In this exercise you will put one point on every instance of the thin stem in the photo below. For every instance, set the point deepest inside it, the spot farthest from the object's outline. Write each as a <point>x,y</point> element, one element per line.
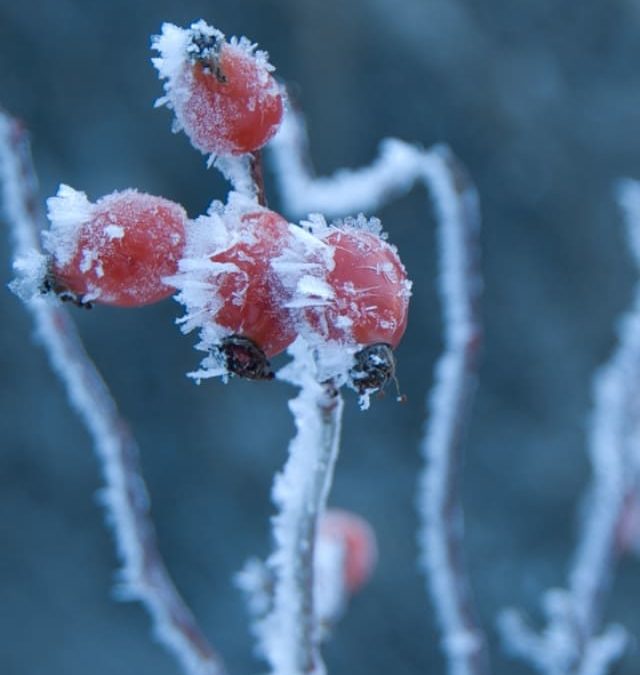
<point>439,499</point>
<point>244,172</point>
<point>614,452</point>
<point>144,575</point>
<point>573,642</point>
<point>289,634</point>
<point>257,175</point>
<point>398,167</point>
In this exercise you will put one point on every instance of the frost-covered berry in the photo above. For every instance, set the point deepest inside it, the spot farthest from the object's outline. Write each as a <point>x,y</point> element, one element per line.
<point>117,251</point>
<point>231,290</point>
<point>222,92</point>
<point>254,299</point>
<point>370,290</point>
<point>353,539</point>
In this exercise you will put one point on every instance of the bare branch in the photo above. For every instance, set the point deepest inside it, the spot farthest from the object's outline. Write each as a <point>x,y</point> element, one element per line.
<point>143,574</point>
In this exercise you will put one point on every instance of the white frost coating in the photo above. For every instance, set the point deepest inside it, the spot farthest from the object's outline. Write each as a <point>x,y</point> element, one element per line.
<point>256,581</point>
<point>174,49</point>
<point>114,231</point>
<point>68,211</point>
<point>143,574</point>
<point>237,170</point>
<point>289,634</point>
<point>314,289</point>
<point>302,268</point>
<point>614,446</point>
<point>209,120</point>
<point>31,270</point>
<point>398,167</point>
<point>330,591</point>
<point>172,45</point>
<point>393,173</point>
<point>555,652</point>
<point>604,651</point>
<point>302,256</point>
<point>199,277</point>
<point>441,531</point>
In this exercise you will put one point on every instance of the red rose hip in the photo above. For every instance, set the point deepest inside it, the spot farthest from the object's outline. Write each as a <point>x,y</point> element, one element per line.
<point>222,92</point>
<point>253,297</point>
<point>117,251</point>
<point>231,289</point>
<point>370,288</point>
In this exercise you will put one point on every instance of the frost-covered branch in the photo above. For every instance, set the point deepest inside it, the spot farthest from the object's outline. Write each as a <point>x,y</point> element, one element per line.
<point>571,642</point>
<point>143,575</point>
<point>393,173</point>
<point>244,173</point>
<point>399,166</point>
<point>439,500</point>
<point>289,634</point>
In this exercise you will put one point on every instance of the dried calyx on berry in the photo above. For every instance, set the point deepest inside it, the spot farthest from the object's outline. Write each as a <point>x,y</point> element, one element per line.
<point>374,368</point>
<point>50,283</point>
<point>242,357</point>
<point>203,49</point>
<point>222,92</point>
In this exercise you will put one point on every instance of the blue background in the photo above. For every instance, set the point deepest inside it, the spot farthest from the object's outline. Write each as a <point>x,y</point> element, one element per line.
<point>541,100</point>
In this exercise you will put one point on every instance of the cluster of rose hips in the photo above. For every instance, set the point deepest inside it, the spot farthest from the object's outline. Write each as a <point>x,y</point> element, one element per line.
<point>250,281</point>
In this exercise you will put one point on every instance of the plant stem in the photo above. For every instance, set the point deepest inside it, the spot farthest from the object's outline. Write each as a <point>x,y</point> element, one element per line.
<point>144,576</point>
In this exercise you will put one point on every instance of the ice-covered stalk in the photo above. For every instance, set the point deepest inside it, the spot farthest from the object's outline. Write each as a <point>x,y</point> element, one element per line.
<point>289,635</point>
<point>245,174</point>
<point>398,167</point>
<point>393,173</point>
<point>439,500</point>
<point>143,574</point>
<point>573,641</point>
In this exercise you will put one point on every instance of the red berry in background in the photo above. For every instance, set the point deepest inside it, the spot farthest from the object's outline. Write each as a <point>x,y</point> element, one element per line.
<point>222,93</point>
<point>370,288</point>
<point>116,251</point>
<point>253,297</point>
<point>358,540</point>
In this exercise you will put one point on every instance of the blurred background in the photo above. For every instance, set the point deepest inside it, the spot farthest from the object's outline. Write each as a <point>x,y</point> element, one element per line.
<point>541,100</point>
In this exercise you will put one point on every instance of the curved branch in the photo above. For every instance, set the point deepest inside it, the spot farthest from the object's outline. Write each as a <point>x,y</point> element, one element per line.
<point>573,642</point>
<point>398,167</point>
<point>144,576</point>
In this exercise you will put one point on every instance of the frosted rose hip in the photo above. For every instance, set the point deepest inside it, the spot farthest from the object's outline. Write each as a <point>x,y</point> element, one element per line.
<point>253,297</point>
<point>116,251</point>
<point>222,93</point>
<point>371,292</point>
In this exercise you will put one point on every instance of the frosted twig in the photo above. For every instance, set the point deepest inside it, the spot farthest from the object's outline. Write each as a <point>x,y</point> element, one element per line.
<point>574,618</point>
<point>143,574</point>
<point>289,635</point>
<point>257,176</point>
<point>398,167</point>
<point>347,191</point>
<point>439,501</point>
<point>242,171</point>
